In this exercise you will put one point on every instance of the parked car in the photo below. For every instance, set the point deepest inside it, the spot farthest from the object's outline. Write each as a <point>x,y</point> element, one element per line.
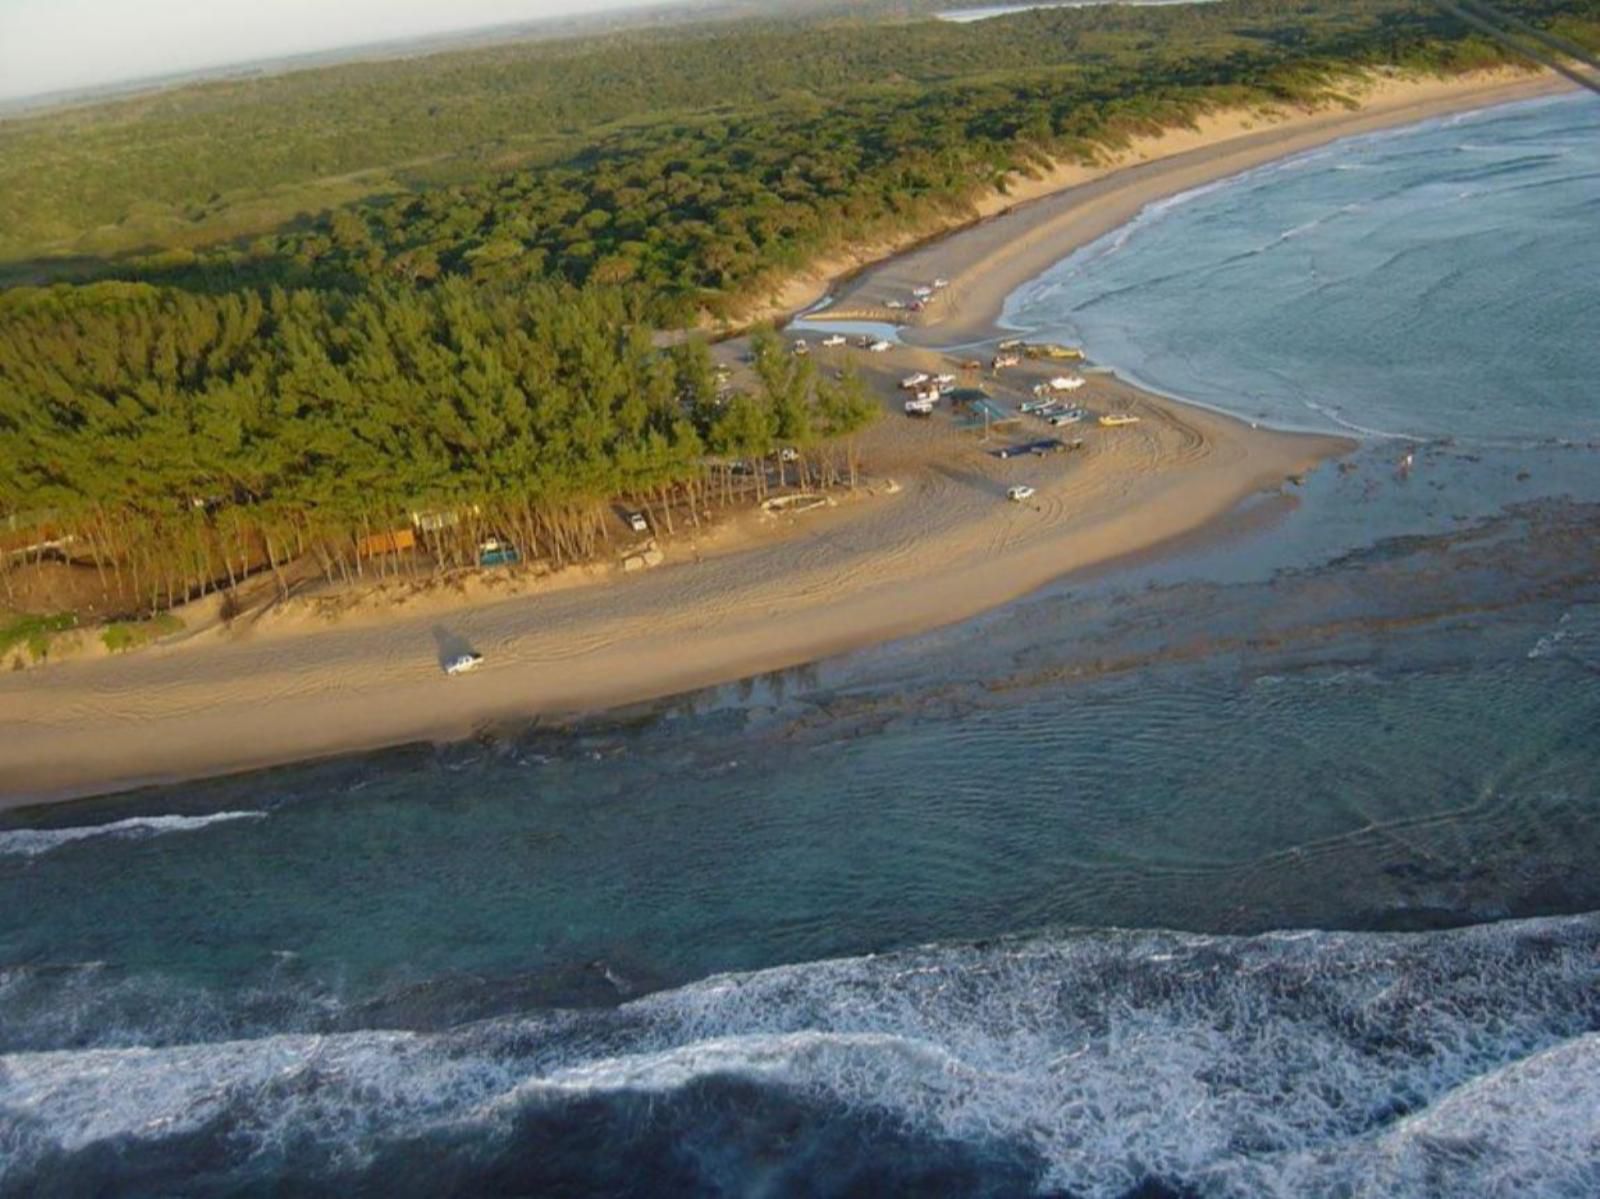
<point>638,523</point>
<point>462,663</point>
<point>494,552</point>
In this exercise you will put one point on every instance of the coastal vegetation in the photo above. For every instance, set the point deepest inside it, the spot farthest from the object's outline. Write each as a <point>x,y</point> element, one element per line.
<point>183,440</point>
<point>283,318</point>
<point>33,632</point>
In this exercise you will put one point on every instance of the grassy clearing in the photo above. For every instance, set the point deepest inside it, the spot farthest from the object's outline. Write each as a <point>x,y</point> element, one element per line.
<point>33,633</point>
<point>123,635</point>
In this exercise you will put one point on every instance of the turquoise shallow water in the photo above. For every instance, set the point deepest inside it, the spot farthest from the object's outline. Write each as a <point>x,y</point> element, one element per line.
<point>872,927</point>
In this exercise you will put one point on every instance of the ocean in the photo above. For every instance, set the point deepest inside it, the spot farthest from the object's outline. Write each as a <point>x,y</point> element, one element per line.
<point>1260,867</point>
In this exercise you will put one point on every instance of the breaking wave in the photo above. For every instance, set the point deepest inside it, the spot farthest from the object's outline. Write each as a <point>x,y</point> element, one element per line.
<point>30,842</point>
<point>1088,1063</point>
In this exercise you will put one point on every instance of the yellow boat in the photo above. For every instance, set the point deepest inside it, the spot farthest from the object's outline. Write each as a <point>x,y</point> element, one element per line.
<point>1113,420</point>
<point>1060,353</point>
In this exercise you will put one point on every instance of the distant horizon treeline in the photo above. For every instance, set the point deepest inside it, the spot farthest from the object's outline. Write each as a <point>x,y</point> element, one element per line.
<point>185,440</point>
<point>698,161</point>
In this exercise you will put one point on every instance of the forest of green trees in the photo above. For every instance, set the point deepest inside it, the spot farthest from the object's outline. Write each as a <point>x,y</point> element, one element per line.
<point>186,439</point>
<point>475,338</point>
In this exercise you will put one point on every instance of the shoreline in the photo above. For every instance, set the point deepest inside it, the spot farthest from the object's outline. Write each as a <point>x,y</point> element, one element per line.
<point>1016,238</point>
<point>944,547</point>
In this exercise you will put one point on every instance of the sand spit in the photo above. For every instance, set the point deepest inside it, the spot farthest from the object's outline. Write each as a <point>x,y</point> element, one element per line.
<point>941,544</point>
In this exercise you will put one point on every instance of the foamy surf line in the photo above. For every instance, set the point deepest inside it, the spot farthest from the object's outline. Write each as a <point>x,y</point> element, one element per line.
<point>29,842</point>
<point>1090,1062</point>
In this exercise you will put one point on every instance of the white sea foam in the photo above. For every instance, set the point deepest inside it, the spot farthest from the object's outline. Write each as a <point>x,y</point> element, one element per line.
<point>30,842</point>
<point>1286,1064</point>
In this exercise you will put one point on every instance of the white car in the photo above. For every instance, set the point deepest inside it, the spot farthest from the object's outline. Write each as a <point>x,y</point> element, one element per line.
<point>462,663</point>
<point>638,523</point>
<point>836,339</point>
<point>1019,493</point>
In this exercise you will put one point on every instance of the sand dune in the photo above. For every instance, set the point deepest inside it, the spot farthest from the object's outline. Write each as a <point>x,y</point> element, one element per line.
<point>945,545</point>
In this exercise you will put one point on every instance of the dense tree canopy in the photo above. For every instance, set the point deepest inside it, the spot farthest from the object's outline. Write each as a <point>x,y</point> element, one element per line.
<point>183,166</point>
<point>186,437</point>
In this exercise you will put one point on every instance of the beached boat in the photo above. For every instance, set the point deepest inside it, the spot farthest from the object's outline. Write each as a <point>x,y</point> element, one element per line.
<point>462,663</point>
<point>1051,350</point>
<point>1070,416</point>
<point>1019,493</point>
<point>495,552</point>
<point>1046,445</point>
<point>1114,420</point>
<point>836,339</point>
<point>1067,382</point>
<point>912,382</point>
<point>1010,343</point>
<point>878,347</point>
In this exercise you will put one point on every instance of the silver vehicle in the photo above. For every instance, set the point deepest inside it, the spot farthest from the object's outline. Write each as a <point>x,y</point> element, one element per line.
<point>638,523</point>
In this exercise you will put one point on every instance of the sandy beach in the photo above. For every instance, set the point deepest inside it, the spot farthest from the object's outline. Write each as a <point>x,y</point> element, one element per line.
<point>938,545</point>
<point>1040,220</point>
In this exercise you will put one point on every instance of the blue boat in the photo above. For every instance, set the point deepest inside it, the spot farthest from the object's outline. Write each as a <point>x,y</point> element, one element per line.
<point>497,553</point>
